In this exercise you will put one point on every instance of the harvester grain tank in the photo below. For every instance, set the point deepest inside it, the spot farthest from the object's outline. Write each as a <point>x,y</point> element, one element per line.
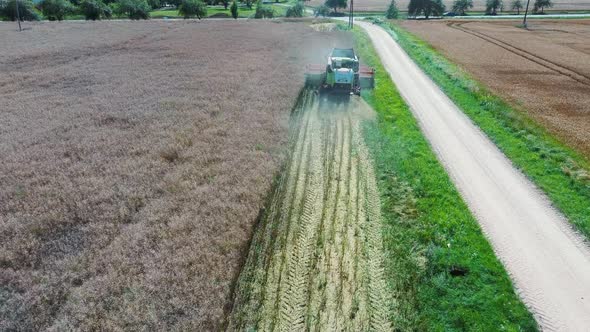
<point>343,73</point>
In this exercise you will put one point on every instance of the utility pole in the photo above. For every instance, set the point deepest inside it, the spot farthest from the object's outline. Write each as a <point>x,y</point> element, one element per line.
<point>350,15</point>
<point>18,16</point>
<point>526,11</point>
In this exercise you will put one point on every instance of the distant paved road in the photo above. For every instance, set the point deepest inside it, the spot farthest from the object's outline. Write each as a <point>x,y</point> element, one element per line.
<point>548,262</point>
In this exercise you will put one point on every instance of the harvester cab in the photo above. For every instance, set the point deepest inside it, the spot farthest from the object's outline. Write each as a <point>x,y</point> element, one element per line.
<point>342,73</point>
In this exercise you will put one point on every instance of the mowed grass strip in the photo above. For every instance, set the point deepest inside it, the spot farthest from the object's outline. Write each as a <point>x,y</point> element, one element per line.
<point>441,269</point>
<point>562,173</point>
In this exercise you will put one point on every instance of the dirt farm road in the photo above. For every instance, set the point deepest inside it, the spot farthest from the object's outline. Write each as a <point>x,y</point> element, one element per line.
<point>547,261</point>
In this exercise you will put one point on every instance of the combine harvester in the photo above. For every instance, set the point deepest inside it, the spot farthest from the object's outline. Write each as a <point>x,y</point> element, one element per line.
<point>342,75</point>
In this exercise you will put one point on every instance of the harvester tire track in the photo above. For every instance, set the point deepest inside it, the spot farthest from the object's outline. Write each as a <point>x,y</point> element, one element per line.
<point>318,278</point>
<point>327,316</point>
<point>293,305</point>
<point>549,64</point>
<point>276,267</point>
<point>340,223</point>
<point>256,258</point>
<point>316,262</point>
<point>316,294</point>
<point>345,267</point>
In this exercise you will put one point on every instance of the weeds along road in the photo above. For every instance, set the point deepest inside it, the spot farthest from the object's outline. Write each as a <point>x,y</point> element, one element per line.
<point>548,262</point>
<point>316,260</point>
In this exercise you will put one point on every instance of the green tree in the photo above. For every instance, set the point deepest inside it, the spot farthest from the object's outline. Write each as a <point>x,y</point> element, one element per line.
<point>322,10</point>
<point>56,10</point>
<point>335,4</point>
<point>263,11</point>
<point>492,6</point>
<point>193,8</point>
<point>426,7</point>
<point>542,4</point>
<point>517,5</point>
<point>26,10</point>
<point>95,10</point>
<point>154,4</point>
<point>392,11</point>
<point>296,10</point>
<point>234,9</point>
<point>461,6</point>
<point>133,9</point>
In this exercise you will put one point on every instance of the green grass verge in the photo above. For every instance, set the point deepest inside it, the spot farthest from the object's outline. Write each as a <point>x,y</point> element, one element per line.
<point>562,173</point>
<point>429,231</point>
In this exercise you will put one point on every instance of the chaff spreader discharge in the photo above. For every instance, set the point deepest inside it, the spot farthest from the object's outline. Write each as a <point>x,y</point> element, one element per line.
<point>342,74</point>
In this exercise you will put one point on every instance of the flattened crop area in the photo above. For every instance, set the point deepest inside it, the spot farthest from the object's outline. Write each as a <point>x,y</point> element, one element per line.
<point>545,69</point>
<point>316,260</point>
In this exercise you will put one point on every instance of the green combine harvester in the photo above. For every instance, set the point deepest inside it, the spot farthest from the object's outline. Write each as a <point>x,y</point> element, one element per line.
<point>342,74</point>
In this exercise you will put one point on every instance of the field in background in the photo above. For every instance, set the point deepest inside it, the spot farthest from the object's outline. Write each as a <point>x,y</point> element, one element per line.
<point>545,69</point>
<point>135,159</point>
<point>478,5</point>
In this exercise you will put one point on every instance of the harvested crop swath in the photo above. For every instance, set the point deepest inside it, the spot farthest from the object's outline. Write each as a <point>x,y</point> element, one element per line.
<point>316,260</point>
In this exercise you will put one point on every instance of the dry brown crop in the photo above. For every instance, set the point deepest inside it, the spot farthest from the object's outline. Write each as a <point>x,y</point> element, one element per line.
<point>134,160</point>
<point>544,69</point>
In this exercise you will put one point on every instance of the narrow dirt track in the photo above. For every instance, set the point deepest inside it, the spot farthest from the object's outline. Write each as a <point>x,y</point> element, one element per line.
<point>316,261</point>
<point>548,262</point>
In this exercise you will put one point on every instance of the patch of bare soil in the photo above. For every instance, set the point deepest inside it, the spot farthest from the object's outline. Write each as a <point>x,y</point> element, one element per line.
<point>544,69</point>
<point>316,261</point>
<point>135,159</point>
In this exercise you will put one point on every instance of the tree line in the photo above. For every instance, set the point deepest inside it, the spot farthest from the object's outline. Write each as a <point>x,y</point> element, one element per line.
<point>428,8</point>
<point>57,10</point>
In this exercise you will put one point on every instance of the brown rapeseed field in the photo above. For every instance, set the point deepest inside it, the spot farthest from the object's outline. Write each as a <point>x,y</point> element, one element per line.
<point>134,160</point>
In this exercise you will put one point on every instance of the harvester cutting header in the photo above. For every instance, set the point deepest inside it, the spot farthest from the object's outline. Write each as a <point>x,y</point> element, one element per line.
<point>342,74</point>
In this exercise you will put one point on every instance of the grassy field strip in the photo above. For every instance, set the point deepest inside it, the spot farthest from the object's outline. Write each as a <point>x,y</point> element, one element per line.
<point>563,174</point>
<point>316,261</point>
<point>440,269</point>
